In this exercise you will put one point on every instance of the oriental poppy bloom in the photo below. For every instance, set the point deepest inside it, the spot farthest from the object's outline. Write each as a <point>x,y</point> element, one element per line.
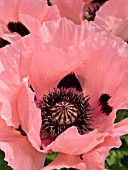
<point>75,90</point>
<point>78,94</point>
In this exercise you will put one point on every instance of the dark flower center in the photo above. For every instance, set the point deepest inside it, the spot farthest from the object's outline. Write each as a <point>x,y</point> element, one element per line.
<point>63,108</point>
<point>3,42</point>
<point>92,8</point>
<point>18,27</point>
<point>67,106</point>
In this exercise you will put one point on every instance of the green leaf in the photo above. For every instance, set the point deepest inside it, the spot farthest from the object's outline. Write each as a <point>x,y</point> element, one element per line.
<point>50,157</point>
<point>3,163</point>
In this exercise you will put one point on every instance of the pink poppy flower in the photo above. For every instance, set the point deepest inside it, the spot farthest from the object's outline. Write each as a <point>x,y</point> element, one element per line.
<point>111,17</point>
<point>62,87</point>
<point>77,87</point>
<point>19,18</point>
<point>70,9</point>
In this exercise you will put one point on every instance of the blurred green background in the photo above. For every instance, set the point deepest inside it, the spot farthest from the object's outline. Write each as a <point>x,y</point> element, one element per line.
<point>116,160</point>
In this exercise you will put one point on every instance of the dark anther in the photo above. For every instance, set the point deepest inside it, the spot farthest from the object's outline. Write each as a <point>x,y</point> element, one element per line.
<point>3,42</point>
<point>81,156</point>
<point>104,104</point>
<point>70,81</point>
<point>31,87</point>
<point>21,130</point>
<point>19,28</point>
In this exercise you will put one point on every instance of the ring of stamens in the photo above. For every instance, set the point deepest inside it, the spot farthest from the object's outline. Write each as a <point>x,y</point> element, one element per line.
<point>63,108</point>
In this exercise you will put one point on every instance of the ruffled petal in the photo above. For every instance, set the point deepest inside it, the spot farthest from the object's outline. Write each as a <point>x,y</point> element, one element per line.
<point>112,8</point>
<point>64,33</point>
<point>67,161</point>
<point>121,127</point>
<point>44,12</point>
<point>49,66</point>
<point>31,23</point>
<point>18,55</point>
<point>18,151</point>
<point>70,9</point>
<point>25,12</point>
<point>9,86</point>
<point>30,115</point>
<point>113,19</point>
<point>95,158</point>
<point>71,142</point>
<point>104,66</point>
<point>117,27</point>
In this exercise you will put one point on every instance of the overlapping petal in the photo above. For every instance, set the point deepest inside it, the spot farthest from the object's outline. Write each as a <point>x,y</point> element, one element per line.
<point>18,151</point>
<point>63,33</point>
<point>67,161</point>
<point>100,63</point>
<point>70,9</point>
<point>115,20</point>
<point>21,11</point>
<point>46,68</point>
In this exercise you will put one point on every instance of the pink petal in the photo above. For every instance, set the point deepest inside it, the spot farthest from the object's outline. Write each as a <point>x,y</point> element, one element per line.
<point>18,151</point>
<point>121,127</point>
<point>64,33</point>
<point>31,23</point>
<point>21,11</point>
<point>112,8</point>
<point>9,56</point>
<point>117,27</point>
<point>13,8</point>
<point>49,66</point>
<point>70,9</point>
<point>113,19</point>
<point>44,12</point>
<point>30,115</point>
<point>67,161</point>
<point>102,122</point>
<point>9,87</point>
<point>65,142</point>
<point>98,79</point>
<point>95,158</point>
<point>13,55</point>
<point>120,102</point>
<point>10,8</point>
